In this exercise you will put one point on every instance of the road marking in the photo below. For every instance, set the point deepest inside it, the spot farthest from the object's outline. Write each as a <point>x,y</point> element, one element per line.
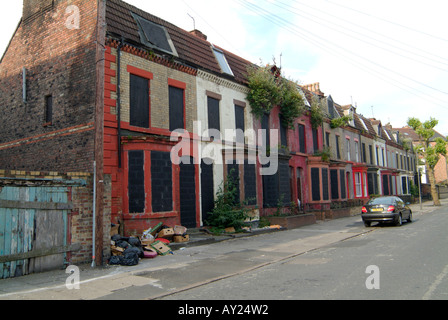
<point>436,283</point>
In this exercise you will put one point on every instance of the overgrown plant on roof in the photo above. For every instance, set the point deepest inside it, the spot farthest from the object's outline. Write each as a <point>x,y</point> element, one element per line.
<point>340,122</point>
<point>317,114</point>
<point>268,89</point>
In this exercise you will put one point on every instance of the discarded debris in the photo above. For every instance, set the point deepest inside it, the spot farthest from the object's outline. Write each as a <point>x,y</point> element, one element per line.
<point>127,251</point>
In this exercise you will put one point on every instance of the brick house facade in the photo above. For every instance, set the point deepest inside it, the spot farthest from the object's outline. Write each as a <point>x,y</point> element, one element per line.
<point>105,103</point>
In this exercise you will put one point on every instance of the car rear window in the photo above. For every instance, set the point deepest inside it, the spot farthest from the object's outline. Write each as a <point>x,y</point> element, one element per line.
<point>382,201</point>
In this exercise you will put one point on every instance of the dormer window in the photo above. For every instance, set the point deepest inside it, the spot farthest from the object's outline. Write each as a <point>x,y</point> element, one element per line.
<point>219,54</point>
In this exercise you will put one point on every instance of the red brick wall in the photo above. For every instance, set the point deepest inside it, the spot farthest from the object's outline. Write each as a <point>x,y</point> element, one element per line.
<point>59,61</point>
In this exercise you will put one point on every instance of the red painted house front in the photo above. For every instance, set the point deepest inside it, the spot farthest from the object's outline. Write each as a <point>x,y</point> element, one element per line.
<point>147,187</point>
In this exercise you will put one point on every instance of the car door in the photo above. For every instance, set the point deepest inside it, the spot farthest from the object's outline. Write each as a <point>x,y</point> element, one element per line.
<point>401,209</point>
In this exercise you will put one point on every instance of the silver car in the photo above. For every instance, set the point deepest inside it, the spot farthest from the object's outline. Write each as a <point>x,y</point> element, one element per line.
<point>386,209</point>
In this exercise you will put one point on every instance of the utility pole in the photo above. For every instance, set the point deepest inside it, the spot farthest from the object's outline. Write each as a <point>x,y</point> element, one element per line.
<point>419,189</point>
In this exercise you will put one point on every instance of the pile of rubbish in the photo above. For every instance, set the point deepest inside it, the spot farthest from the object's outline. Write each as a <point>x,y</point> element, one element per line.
<point>126,251</point>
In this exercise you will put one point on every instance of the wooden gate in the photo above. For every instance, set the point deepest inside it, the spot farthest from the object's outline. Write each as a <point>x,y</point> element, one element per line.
<point>34,224</point>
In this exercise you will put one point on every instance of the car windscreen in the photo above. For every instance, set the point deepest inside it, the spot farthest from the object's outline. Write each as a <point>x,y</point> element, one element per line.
<point>387,201</point>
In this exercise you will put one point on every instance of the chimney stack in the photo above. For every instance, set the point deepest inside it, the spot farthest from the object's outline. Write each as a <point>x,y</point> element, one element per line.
<point>32,8</point>
<point>198,34</point>
<point>314,87</point>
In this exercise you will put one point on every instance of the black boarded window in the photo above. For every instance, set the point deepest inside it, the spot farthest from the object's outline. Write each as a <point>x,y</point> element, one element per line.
<point>315,184</point>
<point>325,183</point>
<point>48,109</point>
<point>139,101</point>
<point>239,123</point>
<point>176,108</point>
<point>136,182</point>
<point>161,181</point>
<point>213,114</point>
<point>334,184</point>
<point>302,138</point>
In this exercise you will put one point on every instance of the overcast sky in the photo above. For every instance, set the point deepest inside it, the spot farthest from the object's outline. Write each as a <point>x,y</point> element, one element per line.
<point>389,58</point>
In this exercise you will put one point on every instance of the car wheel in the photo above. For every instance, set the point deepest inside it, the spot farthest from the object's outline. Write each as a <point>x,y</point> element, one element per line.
<point>367,223</point>
<point>399,221</point>
<point>410,216</point>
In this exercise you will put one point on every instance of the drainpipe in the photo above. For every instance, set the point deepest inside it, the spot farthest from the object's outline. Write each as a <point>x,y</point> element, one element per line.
<point>120,44</point>
<point>99,131</point>
<point>94,216</point>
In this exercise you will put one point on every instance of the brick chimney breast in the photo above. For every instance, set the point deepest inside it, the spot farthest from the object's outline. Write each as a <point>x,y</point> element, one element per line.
<point>31,8</point>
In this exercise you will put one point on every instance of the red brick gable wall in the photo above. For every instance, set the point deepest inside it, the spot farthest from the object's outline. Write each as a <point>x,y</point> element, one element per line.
<point>60,61</point>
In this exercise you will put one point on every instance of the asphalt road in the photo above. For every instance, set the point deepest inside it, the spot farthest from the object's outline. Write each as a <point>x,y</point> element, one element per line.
<point>325,261</point>
<point>407,262</point>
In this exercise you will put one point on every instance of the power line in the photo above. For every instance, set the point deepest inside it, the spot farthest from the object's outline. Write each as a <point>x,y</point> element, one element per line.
<point>413,50</point>
<point>275,19</point>
<point>388,21</point>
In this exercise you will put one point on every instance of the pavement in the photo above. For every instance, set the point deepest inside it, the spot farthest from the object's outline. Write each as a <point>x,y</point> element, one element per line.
<point>205,259</point>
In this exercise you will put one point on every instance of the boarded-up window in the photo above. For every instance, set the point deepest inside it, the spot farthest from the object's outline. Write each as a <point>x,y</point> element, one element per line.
<point>136,182</point>
<point>315,140</point>
<point>302,145</point>
<point>334,184</point>
<point>338,151</point>
<point>239,124</point>
<point>342,181</point>
<point>284,190</point>
<point>139,101</point>
<point>213,113</point>
<point>176,108</point>
<point>283,133</point>
<point>48,109</point>
<point>364,158</point>
<point>325,184</point>
<point>161,181</point>
<point>315,184</point>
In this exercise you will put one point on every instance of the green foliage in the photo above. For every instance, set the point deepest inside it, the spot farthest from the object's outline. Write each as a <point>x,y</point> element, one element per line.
<point>292,104</point>
<point>325,153</point>
<point>430,152</point>
<point>340,122</point>
<point>227,212</point>
<point>414,190</point>
<point>264,92</point>
<point>317,114</point>
<point>268,89</point>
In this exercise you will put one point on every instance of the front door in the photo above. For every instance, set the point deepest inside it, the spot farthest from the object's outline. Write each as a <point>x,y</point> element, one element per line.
<point>187,186</point>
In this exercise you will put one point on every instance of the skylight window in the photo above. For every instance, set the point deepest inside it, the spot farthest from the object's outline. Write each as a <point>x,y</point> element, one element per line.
<point>154,36</point>
<point>225,68</point>
<point>364,124</point>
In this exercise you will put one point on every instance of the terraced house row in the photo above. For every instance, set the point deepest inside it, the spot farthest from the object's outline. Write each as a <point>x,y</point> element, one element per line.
<point>108,92</point>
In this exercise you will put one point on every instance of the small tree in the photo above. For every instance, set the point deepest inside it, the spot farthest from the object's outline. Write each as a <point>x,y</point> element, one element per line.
<point>429,150</point>
<point>228,212</point>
